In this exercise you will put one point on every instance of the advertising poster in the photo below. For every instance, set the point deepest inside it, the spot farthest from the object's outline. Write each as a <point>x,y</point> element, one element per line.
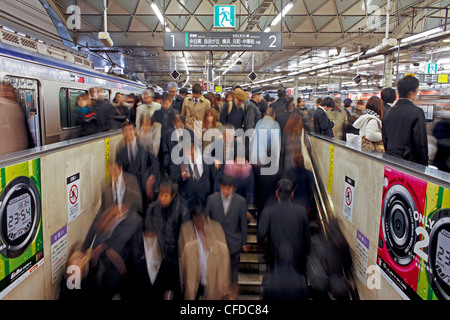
<point>21,241</point>
<point>414,246</point>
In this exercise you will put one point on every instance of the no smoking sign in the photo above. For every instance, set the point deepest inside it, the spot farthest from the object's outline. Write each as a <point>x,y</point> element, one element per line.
<point>349,194</point>
<point>73,197</point>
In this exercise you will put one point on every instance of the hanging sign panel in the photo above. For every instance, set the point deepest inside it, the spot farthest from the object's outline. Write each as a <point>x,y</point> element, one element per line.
<point>226,41</point>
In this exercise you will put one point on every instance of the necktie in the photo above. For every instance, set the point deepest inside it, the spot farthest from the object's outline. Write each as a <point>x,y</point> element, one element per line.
<point>196,173</point>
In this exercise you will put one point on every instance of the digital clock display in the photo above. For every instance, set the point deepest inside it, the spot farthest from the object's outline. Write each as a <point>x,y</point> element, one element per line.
<point>18,216</point>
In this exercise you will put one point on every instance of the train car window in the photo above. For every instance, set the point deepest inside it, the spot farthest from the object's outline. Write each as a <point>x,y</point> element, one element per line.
<point>64,118</point>
<point>67,99</point>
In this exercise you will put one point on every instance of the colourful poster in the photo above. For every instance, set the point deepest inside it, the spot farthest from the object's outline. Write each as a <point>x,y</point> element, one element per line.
<point>21,242</point>
<point>414,246</point>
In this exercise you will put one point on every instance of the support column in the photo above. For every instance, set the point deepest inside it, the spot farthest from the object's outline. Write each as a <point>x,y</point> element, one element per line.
<point>388,77</point>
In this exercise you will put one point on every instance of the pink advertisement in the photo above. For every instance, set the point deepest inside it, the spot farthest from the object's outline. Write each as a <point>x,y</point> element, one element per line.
<point>413,249</point>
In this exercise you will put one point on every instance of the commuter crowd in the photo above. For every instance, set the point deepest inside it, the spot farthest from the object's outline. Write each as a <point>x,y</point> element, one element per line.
<point>173,223</point>
<point>399,129</point>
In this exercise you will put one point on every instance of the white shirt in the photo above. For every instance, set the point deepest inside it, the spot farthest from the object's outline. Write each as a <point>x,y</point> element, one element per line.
<point>153,256</point>
<point>226,202</point>
<point>203,259</point>
<point>118,190</point>
<point>132,149</point>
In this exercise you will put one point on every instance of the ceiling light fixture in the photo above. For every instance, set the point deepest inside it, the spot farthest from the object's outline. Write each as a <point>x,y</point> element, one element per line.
<point>422,35</point>
<point>160,16</point>
<point>282,13</point>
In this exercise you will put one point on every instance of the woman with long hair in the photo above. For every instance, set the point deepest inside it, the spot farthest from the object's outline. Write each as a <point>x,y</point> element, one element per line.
<point>210,122</point>
<point>369,125</point>
<point>291,140</point>
<point>149,134</point>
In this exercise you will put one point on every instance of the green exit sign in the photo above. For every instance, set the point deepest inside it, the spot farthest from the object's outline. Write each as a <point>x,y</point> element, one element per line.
<point>224,16</point>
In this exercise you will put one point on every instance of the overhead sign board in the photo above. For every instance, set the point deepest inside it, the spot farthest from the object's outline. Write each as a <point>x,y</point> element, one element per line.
<point>224,16</point>
<point>432,78</point>
<point>225,41</point>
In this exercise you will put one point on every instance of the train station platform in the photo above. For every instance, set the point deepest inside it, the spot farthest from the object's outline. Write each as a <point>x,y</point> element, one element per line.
<point>394,215</point>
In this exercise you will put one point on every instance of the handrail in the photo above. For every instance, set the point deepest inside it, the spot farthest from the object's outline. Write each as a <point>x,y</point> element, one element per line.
<point>322,207</point>
<point>33,153</point>
<point>425,172</point>
<point>325,207</point>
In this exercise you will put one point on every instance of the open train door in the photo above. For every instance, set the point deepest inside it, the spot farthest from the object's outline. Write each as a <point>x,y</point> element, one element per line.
<point>28,99</point>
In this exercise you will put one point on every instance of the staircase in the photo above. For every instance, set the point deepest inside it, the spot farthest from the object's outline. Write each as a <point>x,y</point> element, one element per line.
<point>252,266</point>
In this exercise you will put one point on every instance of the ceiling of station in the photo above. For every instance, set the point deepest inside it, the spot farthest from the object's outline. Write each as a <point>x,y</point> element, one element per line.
<point>312,30</point>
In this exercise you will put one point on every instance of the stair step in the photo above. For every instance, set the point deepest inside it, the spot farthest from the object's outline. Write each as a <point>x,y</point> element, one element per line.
<point>249,297</point>
<point>251,239</point>
<point>249,279</point>
<point>250,258</point>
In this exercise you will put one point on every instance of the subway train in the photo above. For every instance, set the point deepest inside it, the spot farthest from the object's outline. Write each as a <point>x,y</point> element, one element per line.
<point>48,80</point>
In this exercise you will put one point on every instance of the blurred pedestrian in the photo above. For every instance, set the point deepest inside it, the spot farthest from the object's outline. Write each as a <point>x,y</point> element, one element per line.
<point>204,258</point>
<point>85,117</point>
<point>194,107</point>
<point>148,105</point>
<point>285,223</point>
<point>230,210</point>
<point>339,117</point>
<point>142,164</point>
<point>14,134</point>
<point>232,111</point>
<point>322,124</point>
<point>149,134</point>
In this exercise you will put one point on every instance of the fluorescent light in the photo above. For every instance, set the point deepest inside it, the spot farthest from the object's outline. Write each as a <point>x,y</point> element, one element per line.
<point>231,65</point>
<point>158,13</point>
<point>301,78</point>
<point>282,13</point>
<point>186,65</point>
<point>421,35</point>
<point>439,50</point>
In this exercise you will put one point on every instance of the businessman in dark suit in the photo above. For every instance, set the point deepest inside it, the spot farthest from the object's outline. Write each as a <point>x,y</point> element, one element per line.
<point>171,138</point>
<point>404,126</point>
<point>135,160</point>
<point>194,178</point>
<point>323,125</point>
<point>123,190</point>
<point>230,210</point>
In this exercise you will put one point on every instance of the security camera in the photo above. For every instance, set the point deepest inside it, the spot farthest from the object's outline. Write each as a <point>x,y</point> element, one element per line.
<point>106,39</point>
